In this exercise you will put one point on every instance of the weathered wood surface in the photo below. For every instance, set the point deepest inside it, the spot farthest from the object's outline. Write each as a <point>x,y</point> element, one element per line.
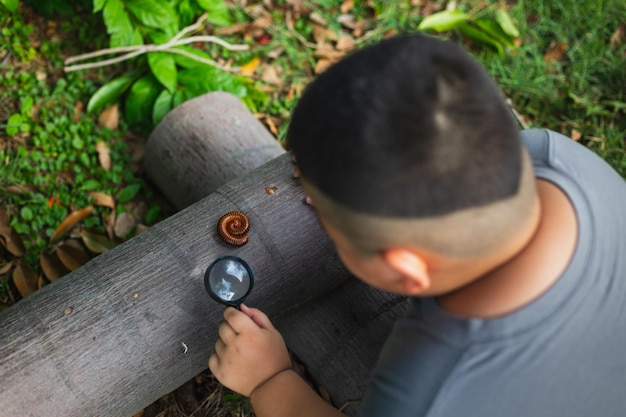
<point>106,340</point>
<point>204,143</point>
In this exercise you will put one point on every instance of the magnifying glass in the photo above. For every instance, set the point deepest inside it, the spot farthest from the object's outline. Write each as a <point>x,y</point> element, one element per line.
<point>229,280</point>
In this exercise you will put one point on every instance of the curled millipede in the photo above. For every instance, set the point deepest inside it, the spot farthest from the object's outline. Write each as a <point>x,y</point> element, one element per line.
<point>232,228</point>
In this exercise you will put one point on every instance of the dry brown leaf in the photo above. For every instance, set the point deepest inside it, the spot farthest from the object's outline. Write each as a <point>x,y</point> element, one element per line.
<point>618,37</point>
<point>271,126</point>
<point>72,256</point>
<point>104,155</point>
<point>96,242</point>
<point>52,267</point>
<point>554,52</point>
<point>21,189</point>
<point>347,20</point>
<point>270,75</point>
<point>141,228</point>
<point>102,199</point>
<point>345,43</point>
<point>41,281</point>
<point>346,6</point>
<point>249,68</point>
<point>329,54</point>
<point>70,221</point>
<point>25,279</point>
<point>78,111</point>
<point>6,268</point>
<point>317,18</point>
<point>319,34</point>
<point>109,224</point>
<point>322,65</point>
<point>576,135</point>
<point>9,237</point>
<point>109,118</point>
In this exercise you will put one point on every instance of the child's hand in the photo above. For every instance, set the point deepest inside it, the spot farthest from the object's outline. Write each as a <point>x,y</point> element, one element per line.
<point>249,351</point>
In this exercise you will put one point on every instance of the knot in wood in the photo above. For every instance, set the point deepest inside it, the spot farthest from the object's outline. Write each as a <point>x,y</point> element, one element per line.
<point>232,228</point>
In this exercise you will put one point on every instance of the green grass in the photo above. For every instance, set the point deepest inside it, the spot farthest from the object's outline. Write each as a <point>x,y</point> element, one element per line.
<point>586,89</point>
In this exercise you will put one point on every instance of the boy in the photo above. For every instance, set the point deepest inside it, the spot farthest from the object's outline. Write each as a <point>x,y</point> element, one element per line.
<point>511,250</point>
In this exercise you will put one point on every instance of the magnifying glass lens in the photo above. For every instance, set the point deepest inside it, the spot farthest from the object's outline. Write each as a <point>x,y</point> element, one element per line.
<point>229,280</point>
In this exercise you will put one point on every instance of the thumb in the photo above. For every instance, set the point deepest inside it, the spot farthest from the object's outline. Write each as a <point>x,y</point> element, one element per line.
<point>257,316</point>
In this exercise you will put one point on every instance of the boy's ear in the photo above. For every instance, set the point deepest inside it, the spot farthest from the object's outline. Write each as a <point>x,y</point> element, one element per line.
<point>412,267</point>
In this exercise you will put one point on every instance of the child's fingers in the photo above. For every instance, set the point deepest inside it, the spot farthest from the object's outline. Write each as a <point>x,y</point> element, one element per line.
<point>257,316</point>
<point>238,320</point>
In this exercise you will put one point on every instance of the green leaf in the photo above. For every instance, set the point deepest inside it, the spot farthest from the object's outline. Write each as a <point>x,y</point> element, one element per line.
<point>443,21</point>
<point>14,124</point>
<point>217,12</point>
<point>140,100</point>
<point>506,23</point>
<point>128,193</point>
<point>12,5</point>
<point>98,5</point>
<point>162,106</point>
<point>118,23</point>
<point>27,106</point>
<point>163,68</point>
<point>153,13</point>
<point>494,30</point>
<point>27,213</point>
<point>481,37</point>
<point>109,93</point>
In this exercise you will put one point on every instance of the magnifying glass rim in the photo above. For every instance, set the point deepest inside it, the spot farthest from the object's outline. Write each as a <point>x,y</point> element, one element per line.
<point>214,296</point>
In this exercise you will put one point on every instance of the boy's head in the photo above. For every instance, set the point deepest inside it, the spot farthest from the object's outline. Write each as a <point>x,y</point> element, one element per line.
<point>409,144</point>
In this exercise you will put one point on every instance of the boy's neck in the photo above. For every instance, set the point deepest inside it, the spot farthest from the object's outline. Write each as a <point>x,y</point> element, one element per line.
<point>531,271</point>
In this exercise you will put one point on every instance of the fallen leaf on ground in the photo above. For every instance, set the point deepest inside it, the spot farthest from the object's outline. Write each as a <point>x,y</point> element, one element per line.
<point>344,43</point>
<point>71,255</point>
<point>9,237</point>
<point>619,36</point>
<point>109,118</point>
<point>576,135</point>
<point>249,68</point>
<point>95,242</point>
<point>25,279</point>
<point>104,156</point>
<point>6,268</point>
<point>322,65</point>
<point>70,221</point>
<point>102,199</point>
<point>52,266</point>
<point>554,52</point>
<point>346,6</point>
<point>270,75</point>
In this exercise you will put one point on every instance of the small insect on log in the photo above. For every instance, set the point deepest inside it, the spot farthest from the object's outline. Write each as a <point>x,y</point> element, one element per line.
<point>232,228</point>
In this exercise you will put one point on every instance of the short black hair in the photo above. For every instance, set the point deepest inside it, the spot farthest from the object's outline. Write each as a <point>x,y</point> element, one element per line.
<point>410,127</point>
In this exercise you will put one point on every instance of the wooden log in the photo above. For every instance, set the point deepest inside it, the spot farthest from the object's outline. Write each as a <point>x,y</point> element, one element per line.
<point>204,143</point>
<point>109,338</point>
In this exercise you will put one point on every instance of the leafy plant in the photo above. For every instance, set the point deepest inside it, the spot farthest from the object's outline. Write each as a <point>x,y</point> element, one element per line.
<point>168,73</point>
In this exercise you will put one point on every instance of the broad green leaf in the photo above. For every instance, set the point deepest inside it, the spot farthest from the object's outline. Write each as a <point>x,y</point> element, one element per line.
<point>506,23</point>
<point>479,36</point>
<point>95,242</point>
<point>14,124</point>
<point>27,213</point>
<point>186,11</point>
<point>162,106</point>
<point>443,21</point>
<point>202,79</point>
<point>128,193</point>
<point>140,100</point>
<point>109,93</point>
<point>98,5</point>
<point>495,31</point>
<point>163,68</point>
<point>27,106</point>
<point>217,12</point>
<point>12,5</point>
<point>156,14</point>
<point>178,98</point>
<point>118,23</point>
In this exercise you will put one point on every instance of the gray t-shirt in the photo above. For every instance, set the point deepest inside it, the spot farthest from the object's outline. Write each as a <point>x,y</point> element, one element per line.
<point>563,355</point>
